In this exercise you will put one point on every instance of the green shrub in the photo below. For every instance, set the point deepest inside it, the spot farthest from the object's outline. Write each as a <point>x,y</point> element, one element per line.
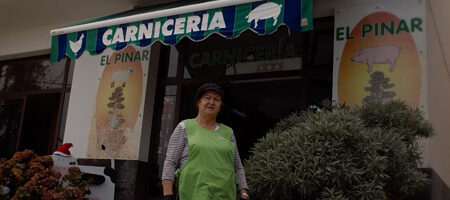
<point>367,152</point>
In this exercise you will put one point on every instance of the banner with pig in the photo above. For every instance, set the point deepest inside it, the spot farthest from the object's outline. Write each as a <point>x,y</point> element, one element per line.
<point>380,53</point>
<point>107,103</point>
<point>119,103</point>
<point>143,29</point>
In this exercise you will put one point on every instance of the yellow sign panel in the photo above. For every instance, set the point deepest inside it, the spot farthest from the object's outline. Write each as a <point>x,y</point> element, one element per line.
<point>118,102</point>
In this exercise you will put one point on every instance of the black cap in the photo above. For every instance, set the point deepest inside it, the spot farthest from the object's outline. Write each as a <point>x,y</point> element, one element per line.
<point>207,87</point>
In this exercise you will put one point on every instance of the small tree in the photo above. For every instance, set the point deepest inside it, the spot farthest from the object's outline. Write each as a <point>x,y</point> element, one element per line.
<point>340,152</point>
<point>116,99</point>
<point>379,85</point>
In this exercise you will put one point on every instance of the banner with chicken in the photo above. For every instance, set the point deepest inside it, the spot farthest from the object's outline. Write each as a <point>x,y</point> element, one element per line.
<point>107,102</point>
<point>380,53</point>
<point>262,17</point>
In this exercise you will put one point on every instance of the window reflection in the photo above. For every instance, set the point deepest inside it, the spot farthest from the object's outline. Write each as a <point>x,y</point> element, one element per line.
<point>31,74</point>
<point>247,54</point>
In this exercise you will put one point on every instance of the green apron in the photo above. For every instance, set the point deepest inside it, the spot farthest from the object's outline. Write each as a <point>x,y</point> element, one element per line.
<point>208,173</point>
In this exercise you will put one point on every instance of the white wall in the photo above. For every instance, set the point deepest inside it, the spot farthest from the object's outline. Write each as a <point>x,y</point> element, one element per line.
<point>438,38</point>
<point>25,25</point>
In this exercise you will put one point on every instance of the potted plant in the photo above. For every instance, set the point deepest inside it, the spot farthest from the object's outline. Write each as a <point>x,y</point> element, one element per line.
<point>27,176</point>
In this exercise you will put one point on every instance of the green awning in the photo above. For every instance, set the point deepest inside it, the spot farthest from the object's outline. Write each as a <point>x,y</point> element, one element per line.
<point>170,23</point>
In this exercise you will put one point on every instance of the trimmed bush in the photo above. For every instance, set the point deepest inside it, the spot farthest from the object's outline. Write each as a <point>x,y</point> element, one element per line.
<point>367,152</point>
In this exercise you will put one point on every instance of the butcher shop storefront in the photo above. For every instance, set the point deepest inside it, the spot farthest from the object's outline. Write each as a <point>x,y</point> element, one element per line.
<point>135,74</point>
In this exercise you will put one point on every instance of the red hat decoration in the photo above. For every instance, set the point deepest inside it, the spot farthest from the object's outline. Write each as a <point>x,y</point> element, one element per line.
<point>63,150</point>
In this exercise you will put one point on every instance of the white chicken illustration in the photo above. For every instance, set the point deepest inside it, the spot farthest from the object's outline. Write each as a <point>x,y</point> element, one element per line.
<point>76,46</point>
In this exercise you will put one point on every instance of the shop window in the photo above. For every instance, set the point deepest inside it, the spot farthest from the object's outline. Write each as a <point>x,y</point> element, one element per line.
<point>10,114</point>
<point>33,103</point>
<point>31,74</point>
<point>247,54</point>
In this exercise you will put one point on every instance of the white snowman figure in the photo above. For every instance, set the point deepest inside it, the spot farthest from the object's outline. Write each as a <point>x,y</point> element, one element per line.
<point>104,177</point>
<point>62,156</point>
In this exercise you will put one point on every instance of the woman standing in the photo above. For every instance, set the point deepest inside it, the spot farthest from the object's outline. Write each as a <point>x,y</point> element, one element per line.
<point>203,154</point>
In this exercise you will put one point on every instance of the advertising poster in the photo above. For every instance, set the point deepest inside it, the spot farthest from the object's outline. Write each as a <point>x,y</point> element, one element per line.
<point>117,115</point>
<point>380,53</point>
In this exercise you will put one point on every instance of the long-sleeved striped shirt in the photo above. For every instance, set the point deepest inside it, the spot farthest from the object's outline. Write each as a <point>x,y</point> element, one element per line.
<point>178,151</point>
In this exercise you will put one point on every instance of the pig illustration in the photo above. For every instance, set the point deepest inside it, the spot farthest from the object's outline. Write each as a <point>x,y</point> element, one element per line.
<point>386,54</point>
<point>264,11</point>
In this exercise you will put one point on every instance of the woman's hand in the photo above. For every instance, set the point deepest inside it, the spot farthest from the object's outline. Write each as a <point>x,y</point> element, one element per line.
<point>167,187</point>
<point>243,194</point>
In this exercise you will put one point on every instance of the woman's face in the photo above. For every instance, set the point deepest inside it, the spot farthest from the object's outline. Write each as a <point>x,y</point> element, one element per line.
<point>209,103</point>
